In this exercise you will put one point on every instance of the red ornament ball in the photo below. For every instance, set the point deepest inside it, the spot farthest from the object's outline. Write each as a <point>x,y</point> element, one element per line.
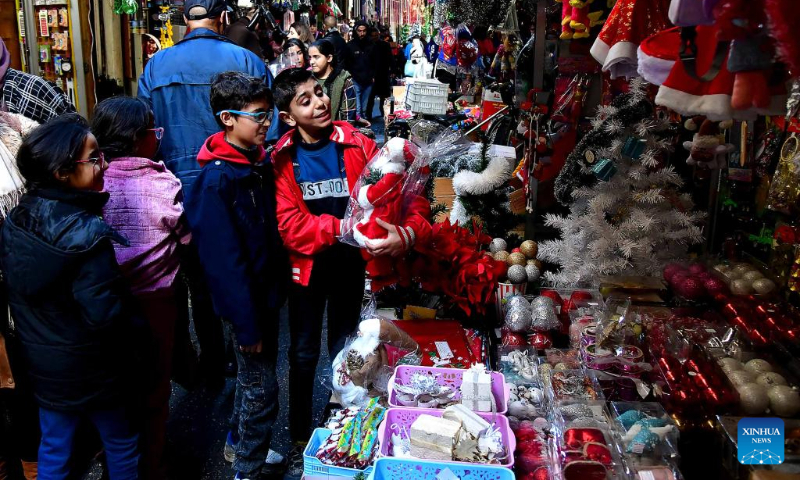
<point>671,269</point>
<point>516,250</point>
<point>512,339</point>
<point>703,276</point>
<point>715,286</point>
<point>540,340</point>
<point>678,278</point>
<point>696,268</point>
<point>691,288</point>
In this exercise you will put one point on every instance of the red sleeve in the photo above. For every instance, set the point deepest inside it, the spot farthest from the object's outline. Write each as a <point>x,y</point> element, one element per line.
<point>301,231</point>
<point>418,218</point>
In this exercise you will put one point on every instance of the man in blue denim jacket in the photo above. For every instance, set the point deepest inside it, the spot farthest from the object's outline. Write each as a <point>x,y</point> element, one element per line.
<point>177,83</point>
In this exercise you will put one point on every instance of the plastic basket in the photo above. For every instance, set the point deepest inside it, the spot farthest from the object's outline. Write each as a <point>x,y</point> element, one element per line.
<point>404,417</point>
<point>427,97</point>
<point>451,377</point>
<point>403,469</point>
<point>313,466</point>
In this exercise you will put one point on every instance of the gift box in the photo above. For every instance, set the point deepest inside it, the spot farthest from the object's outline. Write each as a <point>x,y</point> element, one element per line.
<point>476,390</point>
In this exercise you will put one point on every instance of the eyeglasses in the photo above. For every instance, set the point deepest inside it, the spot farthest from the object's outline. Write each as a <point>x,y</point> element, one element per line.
<point>158,131</point>
<point>95,161</point>
<point>258,117</point>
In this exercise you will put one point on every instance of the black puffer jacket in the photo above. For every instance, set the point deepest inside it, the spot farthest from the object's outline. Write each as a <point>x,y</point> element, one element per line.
<point>69,302</point>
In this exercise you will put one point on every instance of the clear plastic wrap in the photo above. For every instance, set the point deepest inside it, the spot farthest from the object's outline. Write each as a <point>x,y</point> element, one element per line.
<point>391,183</point>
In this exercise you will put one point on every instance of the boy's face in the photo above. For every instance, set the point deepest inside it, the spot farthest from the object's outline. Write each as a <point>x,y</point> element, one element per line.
<point>244,130</point>
<point>310,109</point>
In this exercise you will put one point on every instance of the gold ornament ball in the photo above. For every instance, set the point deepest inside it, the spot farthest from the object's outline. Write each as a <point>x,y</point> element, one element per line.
<point>501,256</point>
<point>536,262</point>
<point>516,258</point>
<point>763,286</point>
<point>529,248</point>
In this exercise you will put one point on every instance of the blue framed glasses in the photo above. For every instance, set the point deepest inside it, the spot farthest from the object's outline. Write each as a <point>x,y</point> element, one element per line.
<point>258,117</point>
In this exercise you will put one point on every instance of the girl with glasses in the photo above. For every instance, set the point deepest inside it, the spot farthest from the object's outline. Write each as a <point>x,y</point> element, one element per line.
<point>145,207</point>
<point>71,306</point>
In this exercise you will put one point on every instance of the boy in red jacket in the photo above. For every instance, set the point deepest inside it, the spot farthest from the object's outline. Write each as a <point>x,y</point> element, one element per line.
<point>316,165</point>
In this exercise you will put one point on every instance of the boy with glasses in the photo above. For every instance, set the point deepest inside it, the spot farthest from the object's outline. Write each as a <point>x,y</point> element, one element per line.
<point>231,212</point>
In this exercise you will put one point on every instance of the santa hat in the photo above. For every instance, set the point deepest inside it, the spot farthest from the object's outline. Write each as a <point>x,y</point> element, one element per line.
<point>628,24</point>
<point>658,54</point>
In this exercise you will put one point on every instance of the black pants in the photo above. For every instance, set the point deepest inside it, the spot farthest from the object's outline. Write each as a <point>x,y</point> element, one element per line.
<point>207,324</point>
<point>337,281</point>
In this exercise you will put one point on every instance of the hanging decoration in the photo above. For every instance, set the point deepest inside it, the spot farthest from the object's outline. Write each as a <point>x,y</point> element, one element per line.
<point>128,7</point>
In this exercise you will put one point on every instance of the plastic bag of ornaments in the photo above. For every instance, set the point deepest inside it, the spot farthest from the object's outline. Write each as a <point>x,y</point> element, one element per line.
<point>361,370</point>
<point>745,279</point>
<point>587,451</point>
<point>532,458</point>
<point>762,388</point>
<point>694,281</point>
<point>645,430</point>
<point>538,315</point>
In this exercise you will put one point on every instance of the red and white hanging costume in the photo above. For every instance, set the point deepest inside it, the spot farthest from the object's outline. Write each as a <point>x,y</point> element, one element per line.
<point>628,24</point>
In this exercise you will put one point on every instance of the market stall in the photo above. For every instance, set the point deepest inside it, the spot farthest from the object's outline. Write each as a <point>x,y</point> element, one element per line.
<point>611,283</point>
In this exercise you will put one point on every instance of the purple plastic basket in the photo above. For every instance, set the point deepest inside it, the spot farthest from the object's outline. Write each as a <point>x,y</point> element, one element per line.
<point>451,377</point>
<point>404,417</point>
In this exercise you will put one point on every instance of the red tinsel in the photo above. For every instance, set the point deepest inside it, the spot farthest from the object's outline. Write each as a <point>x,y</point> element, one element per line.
<point>452,264</point>
<point>784,22</point>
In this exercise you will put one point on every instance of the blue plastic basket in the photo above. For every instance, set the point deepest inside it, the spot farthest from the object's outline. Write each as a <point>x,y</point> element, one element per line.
<point>312,465</point>
<point>402,469</point>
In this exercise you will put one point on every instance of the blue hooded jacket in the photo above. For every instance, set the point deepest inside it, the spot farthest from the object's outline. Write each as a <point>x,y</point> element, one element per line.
<point>176,83</point>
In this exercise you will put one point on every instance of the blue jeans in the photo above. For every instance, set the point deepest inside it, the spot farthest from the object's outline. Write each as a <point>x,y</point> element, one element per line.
<point>58,434</point>
<point>363,92</point>
<point>255,404</point>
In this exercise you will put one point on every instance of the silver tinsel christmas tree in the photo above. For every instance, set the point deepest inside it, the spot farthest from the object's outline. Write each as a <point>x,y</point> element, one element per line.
<point>633,219</point>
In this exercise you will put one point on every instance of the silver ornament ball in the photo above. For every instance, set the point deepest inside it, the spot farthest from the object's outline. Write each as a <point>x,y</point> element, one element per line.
<point>518,320</point>
<point>497,245</point>
<point>533,272</point>
<point>517,274</point>
<point>517,301</point>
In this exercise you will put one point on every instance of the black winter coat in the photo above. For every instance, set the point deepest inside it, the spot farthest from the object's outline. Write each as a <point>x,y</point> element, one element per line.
<point>70,304</point>
<point>343,55</point>
<point>364,61</point>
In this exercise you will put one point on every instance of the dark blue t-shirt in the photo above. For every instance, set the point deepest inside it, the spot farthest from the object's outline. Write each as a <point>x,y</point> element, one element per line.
<point>320,173</point>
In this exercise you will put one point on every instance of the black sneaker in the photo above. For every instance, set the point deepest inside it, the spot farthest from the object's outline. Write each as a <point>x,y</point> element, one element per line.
<point>295,467</point>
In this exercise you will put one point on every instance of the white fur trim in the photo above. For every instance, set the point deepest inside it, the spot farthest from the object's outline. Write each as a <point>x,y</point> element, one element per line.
<point>496,174</point>
<point>362,197</point>
<point>359,237</point>
<point>600,51</point>
<point>715,107</point>
<point>370,328</point>
<point>653,69</point>
<point>705,141</point>
<point>412,236</point>
<point>393,167</point>
<point>338,134</point>
<point>621,60</point>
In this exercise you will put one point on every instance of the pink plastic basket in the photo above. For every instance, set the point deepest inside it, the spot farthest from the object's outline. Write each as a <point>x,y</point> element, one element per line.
<point>447,376</point>
<point>404,417</point>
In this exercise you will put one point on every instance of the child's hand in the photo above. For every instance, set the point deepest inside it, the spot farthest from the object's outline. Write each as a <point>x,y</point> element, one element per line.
<point>393,245</point>
<point>251,348</point>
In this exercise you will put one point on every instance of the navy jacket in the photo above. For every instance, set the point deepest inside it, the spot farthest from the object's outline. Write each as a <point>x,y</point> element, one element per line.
<point>70,304</point>
<point>177,84</point>
<point>231,212</point>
